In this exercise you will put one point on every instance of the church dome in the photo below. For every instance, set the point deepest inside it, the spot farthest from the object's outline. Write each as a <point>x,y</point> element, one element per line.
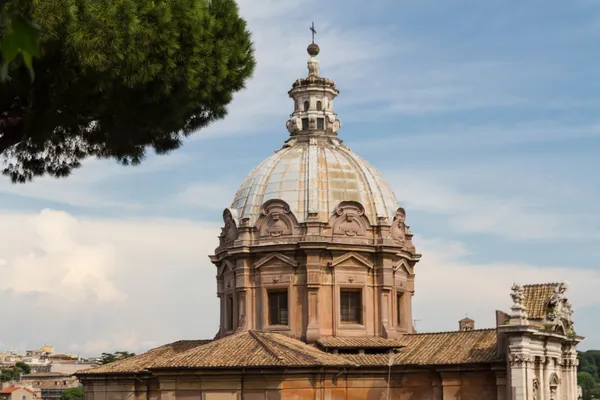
<point>313,177</point>
<point>314,172</point>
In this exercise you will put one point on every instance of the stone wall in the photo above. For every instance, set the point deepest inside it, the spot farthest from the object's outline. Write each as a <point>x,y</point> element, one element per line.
<point>272,385</point>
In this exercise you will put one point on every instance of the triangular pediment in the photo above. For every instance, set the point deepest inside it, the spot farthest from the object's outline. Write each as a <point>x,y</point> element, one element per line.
<point>352,256</point>
<point>226,266</point>
<point>554,380</point>
<point>276,256</point>
<point>403,266</point>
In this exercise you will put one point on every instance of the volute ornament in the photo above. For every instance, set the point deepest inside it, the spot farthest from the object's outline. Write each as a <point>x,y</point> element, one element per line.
<point>276,219</point>
<point>349,220</point>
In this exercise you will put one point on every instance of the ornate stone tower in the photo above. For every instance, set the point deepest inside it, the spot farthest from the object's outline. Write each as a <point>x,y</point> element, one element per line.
<point>314,243</point>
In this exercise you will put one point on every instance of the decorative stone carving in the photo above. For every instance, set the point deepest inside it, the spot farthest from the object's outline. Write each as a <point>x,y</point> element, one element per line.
<point>349,220</point>
<point>294,124</point>
<point>536,389</point>
<point>518,294</point>
<point>554,384</point>
<point>229,231</point>
<point>559,315</point>
<point>399,226</point>
<point>276,219</point>
<point>517,359</point>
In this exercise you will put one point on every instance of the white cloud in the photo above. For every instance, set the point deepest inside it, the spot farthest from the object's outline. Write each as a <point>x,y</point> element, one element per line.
<point>448,286</point>
<point>105,285</point>
<point>509,202</point>
<point>99,285</point>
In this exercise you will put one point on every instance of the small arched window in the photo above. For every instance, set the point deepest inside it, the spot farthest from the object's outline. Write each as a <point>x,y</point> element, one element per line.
<point>306,104</point>
<point>319,106</point>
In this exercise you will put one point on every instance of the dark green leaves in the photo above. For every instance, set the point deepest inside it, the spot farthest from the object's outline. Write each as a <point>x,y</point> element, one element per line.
<point>19,36</point>
<point>115,79</point>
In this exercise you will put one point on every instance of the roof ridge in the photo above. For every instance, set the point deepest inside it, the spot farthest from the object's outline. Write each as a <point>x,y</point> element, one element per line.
<point>442,332</point>
<point>542,284</point>
<point>266,346</point>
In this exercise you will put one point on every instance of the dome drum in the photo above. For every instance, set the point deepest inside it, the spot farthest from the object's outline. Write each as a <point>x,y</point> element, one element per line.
<point>347,224</point>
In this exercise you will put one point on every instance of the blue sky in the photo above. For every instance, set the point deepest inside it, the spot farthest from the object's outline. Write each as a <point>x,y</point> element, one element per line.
<point>482,116</point>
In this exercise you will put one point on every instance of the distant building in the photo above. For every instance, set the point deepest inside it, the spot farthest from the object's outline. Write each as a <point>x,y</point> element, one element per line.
<point>17,393</point>
<point>50,385</point>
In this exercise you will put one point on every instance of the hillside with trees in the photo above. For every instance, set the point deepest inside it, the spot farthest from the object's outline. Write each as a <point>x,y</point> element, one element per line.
<point>588,374</point>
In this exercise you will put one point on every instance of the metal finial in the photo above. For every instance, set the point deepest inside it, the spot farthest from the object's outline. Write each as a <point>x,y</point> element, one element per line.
<point>313,31</point>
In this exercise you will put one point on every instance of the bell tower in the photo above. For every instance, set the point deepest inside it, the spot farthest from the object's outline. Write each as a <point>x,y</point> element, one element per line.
<point>314,243</point>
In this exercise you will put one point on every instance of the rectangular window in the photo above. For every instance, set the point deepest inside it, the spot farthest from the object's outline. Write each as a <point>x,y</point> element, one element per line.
<point>278,307</point>
<point>320,123</point>
<point>304,124</point>
<point>229,314</point>
<point>399,308</point>
<point>351,306</point>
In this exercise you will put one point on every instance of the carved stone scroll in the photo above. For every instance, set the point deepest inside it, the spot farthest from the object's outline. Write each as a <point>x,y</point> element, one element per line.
<point>349,220</point>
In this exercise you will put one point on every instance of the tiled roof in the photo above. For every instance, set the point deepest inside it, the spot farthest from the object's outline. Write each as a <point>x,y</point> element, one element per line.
<point>264,349</point>
<point>438,348</point>
<point>333,342</point>
<point>143,361</point>
<point>537,298</point>
<point>44,375</point>
<point>253,349</point>
<point>14,389</point>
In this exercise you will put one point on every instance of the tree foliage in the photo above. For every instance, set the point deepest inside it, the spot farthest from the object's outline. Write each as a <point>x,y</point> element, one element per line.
<point>116,356</point>
<point>118,77</point>
<point>13,373</point>
<point>75,393</point>
<point>588,376</point>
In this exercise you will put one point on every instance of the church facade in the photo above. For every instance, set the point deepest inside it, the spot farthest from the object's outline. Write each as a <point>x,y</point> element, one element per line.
<point>315,276</point>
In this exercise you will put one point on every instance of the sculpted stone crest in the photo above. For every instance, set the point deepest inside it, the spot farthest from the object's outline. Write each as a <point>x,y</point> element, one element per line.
<point>349,220</point>
<point>276,219</point>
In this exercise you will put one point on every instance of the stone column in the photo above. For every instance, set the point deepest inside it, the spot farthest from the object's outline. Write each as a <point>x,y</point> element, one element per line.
<point>313,282</point>
<point>518,376</point>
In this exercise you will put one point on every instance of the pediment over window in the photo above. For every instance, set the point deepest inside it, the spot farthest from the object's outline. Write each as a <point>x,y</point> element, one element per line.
<point>226,266</point>
<point>352,258</point>
<point>276,256</point>
<point>403,265</point>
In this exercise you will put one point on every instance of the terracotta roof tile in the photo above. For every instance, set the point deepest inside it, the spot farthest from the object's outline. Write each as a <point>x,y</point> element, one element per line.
<point>537,298</point>
<point>438,348</point>
<point>14,389</point>
<point>333,342</point>
<point>142,362</point>
<point>253,349</point>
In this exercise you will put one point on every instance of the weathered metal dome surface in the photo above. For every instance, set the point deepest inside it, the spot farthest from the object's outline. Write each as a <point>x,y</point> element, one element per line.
<point>313,177</point>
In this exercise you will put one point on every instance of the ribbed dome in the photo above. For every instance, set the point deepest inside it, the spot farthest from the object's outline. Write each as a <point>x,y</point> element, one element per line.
<point>314,176</point>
